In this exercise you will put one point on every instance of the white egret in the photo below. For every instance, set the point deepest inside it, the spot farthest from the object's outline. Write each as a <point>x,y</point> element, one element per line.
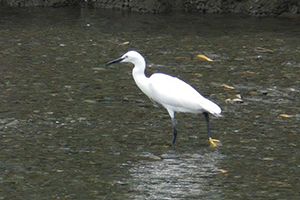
<point>172,93</point>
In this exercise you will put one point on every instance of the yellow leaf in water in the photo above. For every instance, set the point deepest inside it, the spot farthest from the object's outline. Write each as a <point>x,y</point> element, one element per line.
<point>286,115</point>
<point>281,184</point>
<point>263,50</point>
<point>198,74</point>
<point>95,191</point>
<point>124,43</point>
<point>227,86</point>
<point>223,171</point>
<point>203,57</point>
<point>268,159</point>
<point>239,96</point>
<point>229,101</point>
<point>249,72</point>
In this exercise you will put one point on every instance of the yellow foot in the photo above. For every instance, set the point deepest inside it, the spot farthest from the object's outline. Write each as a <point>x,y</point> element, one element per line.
<point>214,141</point>
<point>167,145</point>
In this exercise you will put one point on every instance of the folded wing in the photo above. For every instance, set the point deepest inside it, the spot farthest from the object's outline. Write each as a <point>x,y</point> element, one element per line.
<point>174,93</point>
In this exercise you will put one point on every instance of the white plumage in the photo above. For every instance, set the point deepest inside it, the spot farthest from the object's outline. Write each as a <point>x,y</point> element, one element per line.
<point>172,93</point>
<point>166,90</point>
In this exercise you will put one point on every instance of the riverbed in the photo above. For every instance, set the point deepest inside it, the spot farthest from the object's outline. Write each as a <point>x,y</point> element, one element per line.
<point>71,128</point>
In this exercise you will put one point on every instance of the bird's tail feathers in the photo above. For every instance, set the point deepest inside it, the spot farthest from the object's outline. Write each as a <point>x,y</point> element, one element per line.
<point>214,109</point>
<point>218,115</point>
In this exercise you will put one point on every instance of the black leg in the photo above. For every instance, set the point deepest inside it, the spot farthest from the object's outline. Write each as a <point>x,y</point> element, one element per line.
<point>207,123</point>
<point>212,141</point>
<point>175,130</point>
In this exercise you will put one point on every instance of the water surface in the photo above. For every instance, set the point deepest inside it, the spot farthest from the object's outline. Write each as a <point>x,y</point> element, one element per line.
<point>73,129</point>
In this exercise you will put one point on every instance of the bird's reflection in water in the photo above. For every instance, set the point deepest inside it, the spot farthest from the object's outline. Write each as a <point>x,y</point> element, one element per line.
<point>177,176</point>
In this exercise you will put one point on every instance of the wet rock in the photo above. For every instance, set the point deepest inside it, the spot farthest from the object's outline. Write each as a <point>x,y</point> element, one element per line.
<point>263,8</point>
<point>264,92</point>
<point>203,6</point>
<point>49,3</point>
<point>258,8</point>
<point>234,101</point>
<point>142,6</point>
<point>237,99</point>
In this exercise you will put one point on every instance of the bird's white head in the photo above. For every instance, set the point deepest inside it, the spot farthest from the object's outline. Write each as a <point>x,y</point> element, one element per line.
<point>131,57</point>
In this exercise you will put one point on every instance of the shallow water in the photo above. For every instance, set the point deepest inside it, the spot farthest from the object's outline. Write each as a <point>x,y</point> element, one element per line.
<point>73,129</point>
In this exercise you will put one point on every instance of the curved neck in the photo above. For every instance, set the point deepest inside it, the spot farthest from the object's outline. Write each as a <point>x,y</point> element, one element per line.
<point>139,67</point>
<point>138,73</point>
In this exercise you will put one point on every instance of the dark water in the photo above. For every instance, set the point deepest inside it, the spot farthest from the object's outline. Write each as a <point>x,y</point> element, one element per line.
<point>73,129</point>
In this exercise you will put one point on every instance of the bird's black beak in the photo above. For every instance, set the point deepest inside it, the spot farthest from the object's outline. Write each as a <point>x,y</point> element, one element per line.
<point>114,61</point>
